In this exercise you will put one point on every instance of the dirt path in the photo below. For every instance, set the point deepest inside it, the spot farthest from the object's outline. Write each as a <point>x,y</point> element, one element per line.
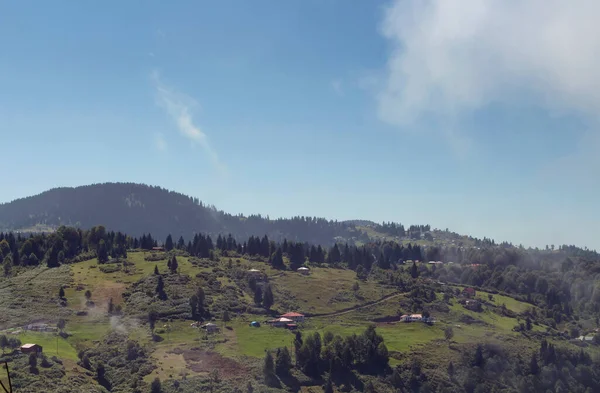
<point>360,306</point>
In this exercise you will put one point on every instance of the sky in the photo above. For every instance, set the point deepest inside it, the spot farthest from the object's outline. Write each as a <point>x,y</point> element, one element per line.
<point>480,116</point>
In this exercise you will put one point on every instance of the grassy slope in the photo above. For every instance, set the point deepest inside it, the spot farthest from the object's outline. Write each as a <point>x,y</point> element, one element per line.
<point>317,293</point>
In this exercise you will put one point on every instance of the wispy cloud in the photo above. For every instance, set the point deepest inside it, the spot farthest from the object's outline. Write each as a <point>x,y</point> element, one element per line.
<point>179,106</point>
<point>337,87</point>
<point>159,142</point>
<point>452,57</point>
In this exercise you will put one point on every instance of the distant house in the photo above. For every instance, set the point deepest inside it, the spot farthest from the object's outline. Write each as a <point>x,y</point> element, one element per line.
<point>291,326</point>
<point>31,348</point>
<point>294,316</point>
<point>412,318</point>
<point>210,328</point>
<point>586,338</point>
<point>303,270</point>
<point>469,292</point>
<point>158,249</point>
<point>40,327</point>
<point>280,322</point>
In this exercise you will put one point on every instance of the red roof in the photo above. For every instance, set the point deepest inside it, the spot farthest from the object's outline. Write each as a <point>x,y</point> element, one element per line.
<point>292,314</point>
<point>470,290</point>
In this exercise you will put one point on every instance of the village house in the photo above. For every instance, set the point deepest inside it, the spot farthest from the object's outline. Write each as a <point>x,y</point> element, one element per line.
<point>411,318</point>
<point>303,270</point>
<point>473,305</point>
<point>280,322</point>
<point>31,348</point>
<point>294,316</point>
<point>469,292</point>
<point>158,249</point>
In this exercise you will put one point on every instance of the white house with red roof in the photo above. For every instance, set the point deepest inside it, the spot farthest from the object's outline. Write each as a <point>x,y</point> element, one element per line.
<point>294,316</point>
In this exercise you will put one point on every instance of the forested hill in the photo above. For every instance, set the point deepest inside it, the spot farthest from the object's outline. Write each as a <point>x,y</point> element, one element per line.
<point>138,209</point>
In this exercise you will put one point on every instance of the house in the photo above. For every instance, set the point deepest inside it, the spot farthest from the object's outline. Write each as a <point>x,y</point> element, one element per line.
<point>280,322</point>
<point>158,249</point>
<point>254,272</point>
<point>210,328</point>
<point>31,348</point>
<point>40,327</point>
<point>294,316</point>
<point>586,338</point>
<point>469,292</point>
<point>291,326</point>
<point>411,318</point>
<point>303,270</point>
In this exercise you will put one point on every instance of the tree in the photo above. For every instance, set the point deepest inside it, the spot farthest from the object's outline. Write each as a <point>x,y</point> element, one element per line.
<point>61,293</point>
<point>3,342</point>
<point>152,318</point>
<point>528,323</point>
<point>450,369</point>
<point>478,359</point>
<point>448,333</point>
<point>414,271</point>
<point>174,265</point>
<point>32,361</point>
<point>111,306</point>
<point>268,299</point>
<point>61,324</point>
<point>533,365</point>
<point>169,243</point>
<point>283,361</point>
<point>258,297</point>
<point>7,265</point>
<point>268,366</point>
<point>194,306</point>
<point>88,295</point>
<point>200,295</point>
<point>156,272</point>
<point>226,317</point>
<point>276,259</point>
<point>156,386</point>
<point>102,251</point>
<point>160,289</point>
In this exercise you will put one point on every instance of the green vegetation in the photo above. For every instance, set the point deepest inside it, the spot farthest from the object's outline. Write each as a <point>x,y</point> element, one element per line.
<point>132,314</point>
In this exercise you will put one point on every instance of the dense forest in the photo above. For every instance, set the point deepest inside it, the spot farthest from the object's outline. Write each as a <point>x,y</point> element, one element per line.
<point>136,208</point>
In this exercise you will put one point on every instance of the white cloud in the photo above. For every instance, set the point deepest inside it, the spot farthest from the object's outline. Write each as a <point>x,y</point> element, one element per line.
<point>449,57</point>
<point>159,142</point>
<point>179,106</point>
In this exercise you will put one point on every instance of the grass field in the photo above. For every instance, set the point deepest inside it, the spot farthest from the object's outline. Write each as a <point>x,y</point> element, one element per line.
<point>49,342</point>
<point>330,289</point>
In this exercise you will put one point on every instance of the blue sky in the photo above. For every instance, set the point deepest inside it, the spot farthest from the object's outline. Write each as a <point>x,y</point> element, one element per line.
<point>476,116</point>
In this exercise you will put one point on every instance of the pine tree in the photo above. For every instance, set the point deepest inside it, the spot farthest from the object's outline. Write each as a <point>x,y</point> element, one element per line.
<point>169,243</point>
<point>328,386</point>
<point>268,299</point>
<point>533,365</point>
<point>156,272</point>
<point>283,361</point>
<point>111,306</point>
<point>268,366</point>
<point>414,271</point>
<point>174,265</point>
<point>61,293</point>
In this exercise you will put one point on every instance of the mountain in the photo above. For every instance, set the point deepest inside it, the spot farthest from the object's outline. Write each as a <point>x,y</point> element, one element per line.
<point>138,208</point>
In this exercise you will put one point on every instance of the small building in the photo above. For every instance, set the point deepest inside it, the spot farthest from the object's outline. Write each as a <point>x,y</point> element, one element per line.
<point>412,318</point>
<point>210,328</point>
<point>469,292</point>
<point>280,322</point>
<point>586,338</point>
<point>31,348</point>
<point>303,270</point>
<point>158,249</point>
<point>294,316</point>
<point>291,326</point>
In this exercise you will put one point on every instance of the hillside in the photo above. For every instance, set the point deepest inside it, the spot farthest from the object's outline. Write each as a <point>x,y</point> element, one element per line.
<point>134,326</point>
<point>137,209</point>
